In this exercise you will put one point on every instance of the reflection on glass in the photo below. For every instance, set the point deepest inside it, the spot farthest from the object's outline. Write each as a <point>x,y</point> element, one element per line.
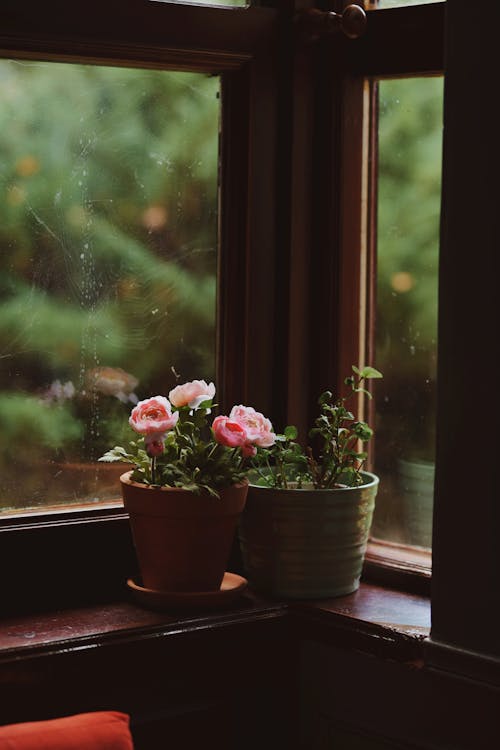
<point>409,186</point>
<point>108,221</point>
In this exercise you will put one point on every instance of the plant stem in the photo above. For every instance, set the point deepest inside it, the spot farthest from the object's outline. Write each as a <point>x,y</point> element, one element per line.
<point>153,470</point>
<point>212,451</point>
<point>237,457</point>
<point>281,468</point>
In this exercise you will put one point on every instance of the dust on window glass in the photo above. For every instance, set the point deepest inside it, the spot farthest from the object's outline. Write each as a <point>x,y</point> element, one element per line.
<point>108,234</point>
<point>409,199</point>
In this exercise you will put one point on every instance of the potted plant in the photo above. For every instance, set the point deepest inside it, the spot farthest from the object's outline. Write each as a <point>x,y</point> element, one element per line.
<point>188,486</point>
<point>305,526</point>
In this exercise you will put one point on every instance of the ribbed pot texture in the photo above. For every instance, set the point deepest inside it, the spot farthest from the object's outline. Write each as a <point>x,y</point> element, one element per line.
<point>182,540</point>
<point>306,544</point>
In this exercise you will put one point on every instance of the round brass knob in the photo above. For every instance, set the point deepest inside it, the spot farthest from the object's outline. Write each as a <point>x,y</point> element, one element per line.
<point>315,23</point>
<point>353,22</point>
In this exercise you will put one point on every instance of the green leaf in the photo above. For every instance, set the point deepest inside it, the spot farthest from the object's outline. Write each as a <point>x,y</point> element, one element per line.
<point>325,397</point>
<point>363,390</point>
<point>110,458</point>
<point>362,431</point>
<point>117,454</point>
<point>370,372</point>
<point>291,432</point>
<point>206,404</point>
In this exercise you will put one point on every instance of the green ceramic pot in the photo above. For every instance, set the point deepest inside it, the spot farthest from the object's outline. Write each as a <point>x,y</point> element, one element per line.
<point>307,543</point>
<point>416,483</point>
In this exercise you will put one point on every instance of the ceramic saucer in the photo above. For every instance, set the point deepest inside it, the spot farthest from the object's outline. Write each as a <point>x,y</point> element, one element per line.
<point>231,588</point>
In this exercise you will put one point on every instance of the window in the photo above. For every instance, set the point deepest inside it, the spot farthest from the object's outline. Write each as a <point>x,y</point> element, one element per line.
<point>408,211</point>
<point>387,56</point>
<point>223,57</point>
<point>109,237</point>
<point>293,305</point>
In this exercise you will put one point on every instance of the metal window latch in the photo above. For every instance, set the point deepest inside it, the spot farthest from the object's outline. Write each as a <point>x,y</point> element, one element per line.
<point>314,23</point>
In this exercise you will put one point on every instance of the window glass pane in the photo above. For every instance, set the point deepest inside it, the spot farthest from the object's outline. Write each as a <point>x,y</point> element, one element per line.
<point>397,3</point>
<point>108,243</point>
<point>227,3</point>
<point>409,187</point>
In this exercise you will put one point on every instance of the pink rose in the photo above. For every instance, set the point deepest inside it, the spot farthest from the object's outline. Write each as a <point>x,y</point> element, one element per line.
<point>249,451</point>
<point>153,416</point>
<point>258,428</point>
<point>229,433</point>
<point>192,394</point>
<point>155,445</point>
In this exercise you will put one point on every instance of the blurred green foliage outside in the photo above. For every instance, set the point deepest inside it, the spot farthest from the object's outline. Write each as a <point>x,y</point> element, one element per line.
<point>108,234</point>
<point>409,204</point>
<point>108,225</point>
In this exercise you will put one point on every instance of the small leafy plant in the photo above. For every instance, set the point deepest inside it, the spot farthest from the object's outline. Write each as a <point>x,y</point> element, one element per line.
<point>178,447</point>
<point>339,461</point>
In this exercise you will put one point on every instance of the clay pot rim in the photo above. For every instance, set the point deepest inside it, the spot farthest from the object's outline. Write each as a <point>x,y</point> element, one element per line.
<point>125,479</point>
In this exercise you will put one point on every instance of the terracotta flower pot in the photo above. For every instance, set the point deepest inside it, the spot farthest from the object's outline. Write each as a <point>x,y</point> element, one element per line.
<point>307,543</point>
<point>182,540</point>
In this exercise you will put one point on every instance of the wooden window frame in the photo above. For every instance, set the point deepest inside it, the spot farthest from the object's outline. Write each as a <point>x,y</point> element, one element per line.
<point>293,187</point>
<point>392,47</point>
<point>74,556</point>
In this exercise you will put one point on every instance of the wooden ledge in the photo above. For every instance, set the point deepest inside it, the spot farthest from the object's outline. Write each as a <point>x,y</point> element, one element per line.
<point>389,623</point>
<point>87,627</point>
<point>385,622</point>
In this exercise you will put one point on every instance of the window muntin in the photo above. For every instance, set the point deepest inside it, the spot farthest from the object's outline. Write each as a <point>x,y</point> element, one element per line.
<point>108,230</point>
<point>408,200</point>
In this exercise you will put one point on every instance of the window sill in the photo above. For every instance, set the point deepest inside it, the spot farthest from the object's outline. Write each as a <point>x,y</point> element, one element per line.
<point>385,622</point>
<point>399,566</point>
<point>377,620</point>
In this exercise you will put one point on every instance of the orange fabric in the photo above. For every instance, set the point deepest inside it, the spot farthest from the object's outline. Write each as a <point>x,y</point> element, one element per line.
<point>99,730</point>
